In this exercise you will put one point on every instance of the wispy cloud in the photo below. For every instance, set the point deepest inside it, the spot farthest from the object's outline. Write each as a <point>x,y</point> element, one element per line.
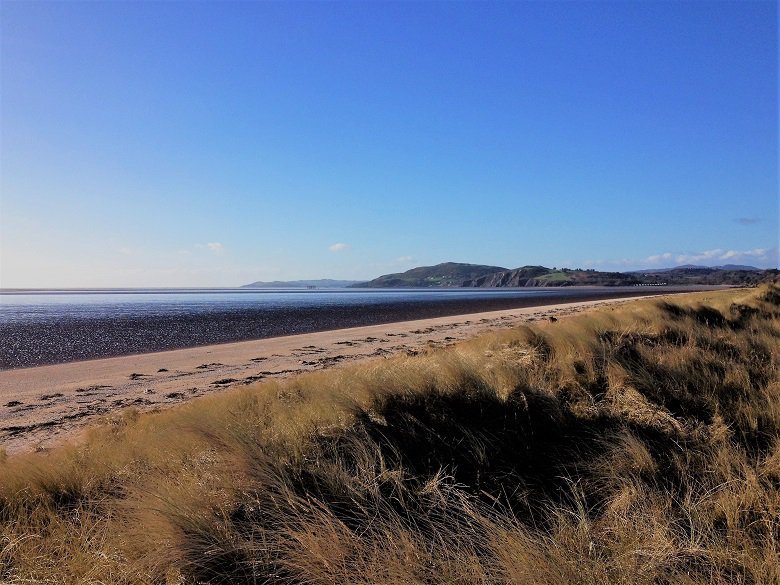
<point>659,258</point>
<point>748,220</point>
<point>338,247</point>
<point>763,257</point>
<point>766,256</point>
<point>216,247</point>
<point>405,259</point>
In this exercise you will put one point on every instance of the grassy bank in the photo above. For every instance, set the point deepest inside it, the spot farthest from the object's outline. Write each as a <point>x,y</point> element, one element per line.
<point>632,445</point>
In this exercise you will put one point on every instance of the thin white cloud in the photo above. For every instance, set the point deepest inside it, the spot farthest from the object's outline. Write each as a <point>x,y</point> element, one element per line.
<point>659,258</point>
<point>699,256</point>
<point>405,259</point>
<point>708,256</point>
<point>338,247</point>
<point>216,247</point>
<point>762,257</point>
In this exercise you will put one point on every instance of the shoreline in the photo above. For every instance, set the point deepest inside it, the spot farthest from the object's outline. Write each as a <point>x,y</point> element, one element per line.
<point>47,405</point>
<point>74,339</point>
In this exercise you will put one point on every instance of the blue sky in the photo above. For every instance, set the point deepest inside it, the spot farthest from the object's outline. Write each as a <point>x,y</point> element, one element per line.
<point>214,144</point>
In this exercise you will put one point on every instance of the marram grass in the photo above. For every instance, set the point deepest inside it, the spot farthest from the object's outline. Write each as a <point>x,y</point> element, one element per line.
<point>638,444</point>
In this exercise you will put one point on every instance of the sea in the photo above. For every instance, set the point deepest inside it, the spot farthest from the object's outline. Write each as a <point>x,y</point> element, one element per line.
<point>40,327</point>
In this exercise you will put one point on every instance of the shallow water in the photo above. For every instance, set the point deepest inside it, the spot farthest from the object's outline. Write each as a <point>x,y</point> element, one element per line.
<point>43,327</point>
<point>52,305</point>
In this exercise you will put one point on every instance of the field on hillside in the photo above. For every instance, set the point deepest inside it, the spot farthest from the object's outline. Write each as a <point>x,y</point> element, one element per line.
<point>638,444</point>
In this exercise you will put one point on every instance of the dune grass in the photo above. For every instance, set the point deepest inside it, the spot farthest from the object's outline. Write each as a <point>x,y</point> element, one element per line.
<point>638,444</point>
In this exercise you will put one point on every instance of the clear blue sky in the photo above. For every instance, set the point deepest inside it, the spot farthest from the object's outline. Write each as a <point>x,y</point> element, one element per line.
<point>191,143</point>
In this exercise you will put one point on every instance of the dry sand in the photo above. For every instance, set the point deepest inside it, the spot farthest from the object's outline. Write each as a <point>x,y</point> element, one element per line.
<point>48,405</point>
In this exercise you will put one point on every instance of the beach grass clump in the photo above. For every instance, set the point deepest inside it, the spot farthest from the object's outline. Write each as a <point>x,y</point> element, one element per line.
<point>632,444</point>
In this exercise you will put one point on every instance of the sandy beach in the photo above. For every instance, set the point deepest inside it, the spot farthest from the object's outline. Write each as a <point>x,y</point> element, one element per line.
<point>47,405</point>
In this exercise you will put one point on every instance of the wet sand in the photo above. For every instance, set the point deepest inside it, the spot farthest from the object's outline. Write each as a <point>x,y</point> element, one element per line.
<point>47,405</point>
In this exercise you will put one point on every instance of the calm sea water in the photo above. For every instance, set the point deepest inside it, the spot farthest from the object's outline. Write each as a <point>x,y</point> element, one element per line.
<point>31,307</point>
<point>43,327</point>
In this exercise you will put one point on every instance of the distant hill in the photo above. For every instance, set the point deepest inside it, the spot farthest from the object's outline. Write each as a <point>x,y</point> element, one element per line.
<point>449,274</point>
<point>543,276</point>
<point>321,283</point>
<point>728,274</point>
<point>738,267</point>
<point>452,274</point>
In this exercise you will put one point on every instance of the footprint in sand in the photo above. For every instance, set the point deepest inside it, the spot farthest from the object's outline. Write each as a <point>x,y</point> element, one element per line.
<point>50,396</point>
<point>208,366</point>
<point>94,388</point>
<point>223,381</point>
<point>250,379</point>
<point>329,361</point>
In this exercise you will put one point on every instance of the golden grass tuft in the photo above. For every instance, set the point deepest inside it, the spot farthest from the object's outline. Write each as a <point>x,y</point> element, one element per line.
<point>638,444</point>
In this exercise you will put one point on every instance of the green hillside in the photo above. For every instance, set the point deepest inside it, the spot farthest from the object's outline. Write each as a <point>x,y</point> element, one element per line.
<point>449,274</point>
<point>453,274</point>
